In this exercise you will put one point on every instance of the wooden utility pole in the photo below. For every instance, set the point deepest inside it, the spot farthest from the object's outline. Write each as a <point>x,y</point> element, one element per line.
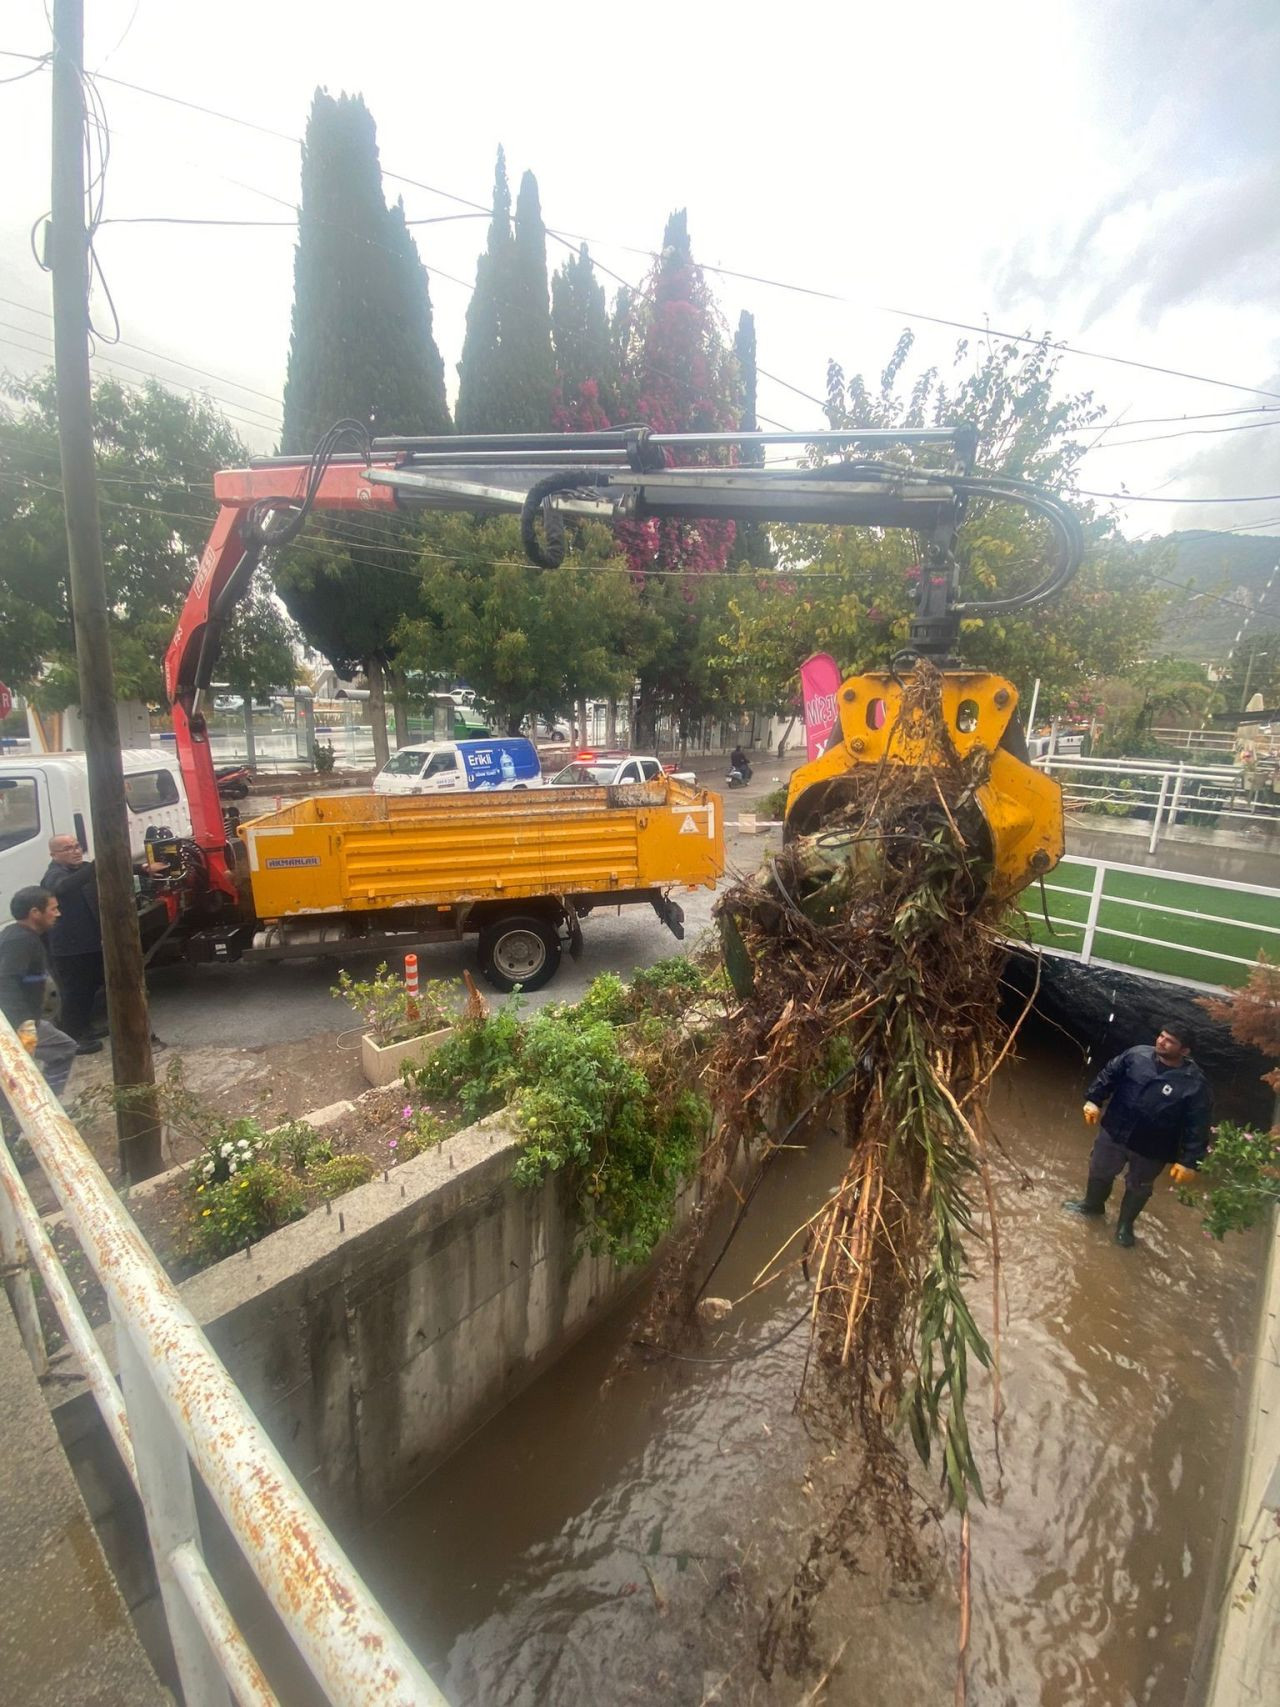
<point>137,1123</point>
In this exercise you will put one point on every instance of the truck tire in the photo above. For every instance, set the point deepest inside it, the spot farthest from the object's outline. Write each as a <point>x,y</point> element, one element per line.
<point>520,949</point>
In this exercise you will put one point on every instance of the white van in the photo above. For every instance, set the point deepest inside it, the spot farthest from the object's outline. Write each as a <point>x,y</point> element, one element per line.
<point>47,794</point>
<point>497,762</point>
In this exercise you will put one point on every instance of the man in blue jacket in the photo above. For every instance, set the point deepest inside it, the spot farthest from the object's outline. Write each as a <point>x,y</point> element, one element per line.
<point>1158,1107</point>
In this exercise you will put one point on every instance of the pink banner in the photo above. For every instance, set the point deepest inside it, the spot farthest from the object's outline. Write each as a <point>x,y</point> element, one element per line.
<point>819,685</point>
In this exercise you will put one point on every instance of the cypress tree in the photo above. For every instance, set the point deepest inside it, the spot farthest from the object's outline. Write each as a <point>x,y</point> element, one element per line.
<point>744,350</point>
<point>362,348</point>
<point>530,366</point>
<point>507,372</point>
<point>586,367</point>
<point>479,380</point>
<point>751,545</point>
<point>362,343</point>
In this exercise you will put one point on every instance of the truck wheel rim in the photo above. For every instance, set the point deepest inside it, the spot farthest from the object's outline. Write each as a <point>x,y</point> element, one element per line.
<point>520,954</point>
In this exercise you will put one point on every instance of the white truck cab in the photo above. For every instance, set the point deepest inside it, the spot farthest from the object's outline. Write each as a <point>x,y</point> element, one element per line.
<point>47,794</point>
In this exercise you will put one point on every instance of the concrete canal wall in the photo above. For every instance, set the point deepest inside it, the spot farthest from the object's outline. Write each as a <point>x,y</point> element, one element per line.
<point>373,1339</point>
<point>1246,1668</point>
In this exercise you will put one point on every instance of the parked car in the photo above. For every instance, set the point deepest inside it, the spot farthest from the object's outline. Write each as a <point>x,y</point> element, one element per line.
<point>597,770</point>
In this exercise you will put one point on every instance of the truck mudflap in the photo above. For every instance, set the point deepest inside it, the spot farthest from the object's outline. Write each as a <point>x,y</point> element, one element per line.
<point>671,914</point>
<point>573,926</point>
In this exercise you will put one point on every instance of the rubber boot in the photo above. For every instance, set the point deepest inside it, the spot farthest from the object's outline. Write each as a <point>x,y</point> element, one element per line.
<point>1094,1201</point>
<point>1131,1206</point>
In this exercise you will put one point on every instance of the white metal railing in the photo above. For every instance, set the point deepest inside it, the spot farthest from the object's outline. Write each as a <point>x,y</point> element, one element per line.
<point>1190,958</point>
<point>180,1411</point>
<point>1166,791</point>
<point>1197,740</point>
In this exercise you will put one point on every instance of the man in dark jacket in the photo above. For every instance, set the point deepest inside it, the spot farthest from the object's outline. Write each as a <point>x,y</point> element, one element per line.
<point>24,978</point>
<point>1158,1107</point>
<point>75,942</point>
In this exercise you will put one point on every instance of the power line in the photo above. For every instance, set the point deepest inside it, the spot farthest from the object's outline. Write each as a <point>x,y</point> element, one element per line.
<point>1142,498</point>
<point>124,344</point>
<point>1217,598</point>
<point>230,404</point>
<point>1191,432</point>
<point>753,278</point>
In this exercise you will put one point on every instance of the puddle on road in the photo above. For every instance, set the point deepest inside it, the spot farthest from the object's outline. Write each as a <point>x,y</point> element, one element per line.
<point>616,1546</point>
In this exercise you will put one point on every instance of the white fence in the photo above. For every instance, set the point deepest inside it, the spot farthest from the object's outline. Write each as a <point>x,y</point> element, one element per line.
<point>1197,740</point>
<point>1164,795</point>
<point>179,1413</point>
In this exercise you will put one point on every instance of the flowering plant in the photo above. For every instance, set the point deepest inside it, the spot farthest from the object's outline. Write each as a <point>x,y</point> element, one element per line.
<point>388,1010</point>
<point>1242,1176</point>
<point>229,1150</point>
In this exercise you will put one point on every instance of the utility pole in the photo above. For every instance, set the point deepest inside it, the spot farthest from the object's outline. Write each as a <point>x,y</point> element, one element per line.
<point>137,1123</point>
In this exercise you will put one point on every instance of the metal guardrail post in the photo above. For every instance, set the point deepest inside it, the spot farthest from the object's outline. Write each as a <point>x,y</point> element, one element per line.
<point>17,1279</point>
<point>75,1324</point>
<point>1177,795</point>
<point>168,1502</point>
<point>1091,921</point>
<point>1155,828</point>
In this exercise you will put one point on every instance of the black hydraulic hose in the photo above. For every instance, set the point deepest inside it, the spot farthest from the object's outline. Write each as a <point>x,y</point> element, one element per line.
<point>276,522</point>
<point>552,555</point>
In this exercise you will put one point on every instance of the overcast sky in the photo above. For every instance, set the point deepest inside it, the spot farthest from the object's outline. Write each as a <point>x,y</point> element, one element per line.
<point>1108,170</point>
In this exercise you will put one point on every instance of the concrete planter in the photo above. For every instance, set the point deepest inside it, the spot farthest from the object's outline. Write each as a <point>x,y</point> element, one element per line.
<point>383,1062</point>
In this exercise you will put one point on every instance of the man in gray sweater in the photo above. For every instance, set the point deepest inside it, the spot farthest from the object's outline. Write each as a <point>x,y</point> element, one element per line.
<point>24,979</point>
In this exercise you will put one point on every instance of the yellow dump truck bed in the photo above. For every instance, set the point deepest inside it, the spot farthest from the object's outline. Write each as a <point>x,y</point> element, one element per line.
<point>348,853</point>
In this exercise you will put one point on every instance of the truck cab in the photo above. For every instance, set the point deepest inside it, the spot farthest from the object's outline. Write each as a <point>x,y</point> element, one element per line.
<point>47,794</point>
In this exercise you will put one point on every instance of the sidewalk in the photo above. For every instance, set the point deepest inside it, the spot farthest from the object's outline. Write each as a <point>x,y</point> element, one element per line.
<point>65,1636</point>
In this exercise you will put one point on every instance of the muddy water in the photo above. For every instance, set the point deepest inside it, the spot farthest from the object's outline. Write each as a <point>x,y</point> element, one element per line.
<point>617,1546</point>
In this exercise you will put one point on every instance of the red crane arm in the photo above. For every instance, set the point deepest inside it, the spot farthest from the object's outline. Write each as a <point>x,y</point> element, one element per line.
<point>225,572</point>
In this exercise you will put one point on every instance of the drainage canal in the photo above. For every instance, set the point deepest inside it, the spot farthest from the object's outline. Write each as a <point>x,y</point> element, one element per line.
<point>616,1545</point>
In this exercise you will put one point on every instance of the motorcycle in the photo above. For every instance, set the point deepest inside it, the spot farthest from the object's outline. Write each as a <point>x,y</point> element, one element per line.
<point>234,781</point>
<point>739,776</point>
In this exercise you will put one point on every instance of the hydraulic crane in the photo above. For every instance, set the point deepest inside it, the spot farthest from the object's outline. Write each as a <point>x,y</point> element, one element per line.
<point>628,474</point>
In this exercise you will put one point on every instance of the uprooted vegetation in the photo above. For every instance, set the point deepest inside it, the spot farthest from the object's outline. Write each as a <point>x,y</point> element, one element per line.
<point>867,958</point>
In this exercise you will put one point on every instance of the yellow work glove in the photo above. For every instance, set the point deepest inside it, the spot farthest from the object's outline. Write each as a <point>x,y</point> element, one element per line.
<point>1180,1175</point>
<point>1092,1114</point>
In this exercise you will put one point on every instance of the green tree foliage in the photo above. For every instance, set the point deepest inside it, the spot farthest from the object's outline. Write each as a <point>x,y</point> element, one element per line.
<point>751,546</point>
<point>1253,667</point>
<point>586,395</point>
<point>258,649</point>
<point>1155,693</point>
<point>744,351</point>
<point>362,344</point>
<point>362,348</point>
<point>524,639</point>
<point>157,453</point>
<point>507,372</point>
<point>856,589</point>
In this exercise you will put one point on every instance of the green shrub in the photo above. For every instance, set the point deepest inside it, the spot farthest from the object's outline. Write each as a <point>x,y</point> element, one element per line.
<point>238,1210</point>
<point>477,1064</point>
<point>340,1174</point>
<point>773,804</point>
<point>323,757</point>
<point>607,1105</point>
<point>422,1131</point>
<point>298,1146</point>
<point>1238,1182</point>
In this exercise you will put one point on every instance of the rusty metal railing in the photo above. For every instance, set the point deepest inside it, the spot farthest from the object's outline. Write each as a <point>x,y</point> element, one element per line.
<point>180,1411</point>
